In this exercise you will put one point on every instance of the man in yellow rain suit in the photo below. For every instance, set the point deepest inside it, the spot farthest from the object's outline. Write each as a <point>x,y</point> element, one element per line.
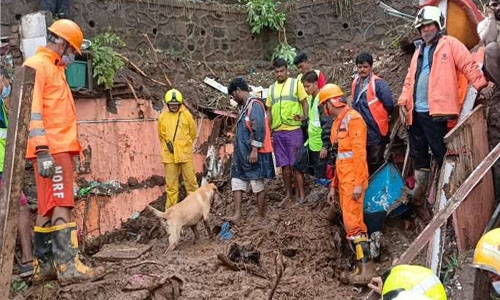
<point>177,131</point>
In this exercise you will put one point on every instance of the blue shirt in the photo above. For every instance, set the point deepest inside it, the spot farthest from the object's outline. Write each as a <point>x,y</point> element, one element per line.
<point>421,99</point>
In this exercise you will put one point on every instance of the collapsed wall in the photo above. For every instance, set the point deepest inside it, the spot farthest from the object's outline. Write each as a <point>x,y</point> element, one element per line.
<point>214,32</point>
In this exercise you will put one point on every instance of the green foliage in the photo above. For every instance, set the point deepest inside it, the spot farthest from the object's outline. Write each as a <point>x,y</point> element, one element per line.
<point>449,268</point>
<point>18,285</point>
<point>264,14</point>
<point>286,52</point>
<point>106,61</point>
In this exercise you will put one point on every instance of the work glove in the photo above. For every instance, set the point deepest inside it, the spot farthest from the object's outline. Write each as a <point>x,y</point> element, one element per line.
<point>46,164</point>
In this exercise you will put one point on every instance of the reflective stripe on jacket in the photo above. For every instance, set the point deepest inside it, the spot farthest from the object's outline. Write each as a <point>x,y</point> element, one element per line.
<point>53,113</point>
<point>265,146</point>
<point>349,133</point>
<point>449,59</point>
<point>376,106</point>
<point>285,103</point>
<point>186,133</point>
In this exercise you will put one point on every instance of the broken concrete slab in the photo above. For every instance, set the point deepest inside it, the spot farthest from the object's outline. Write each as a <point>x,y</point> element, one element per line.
<point>114,252</point>
<point>215,85</point>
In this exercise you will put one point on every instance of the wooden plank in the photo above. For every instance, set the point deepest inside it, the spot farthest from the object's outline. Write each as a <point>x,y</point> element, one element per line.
<point>460,195</point>
<point>13,173</point>
<point>436,244</point>
<point>455,131</point>
<point>439,219</point>
<point>471,144</point>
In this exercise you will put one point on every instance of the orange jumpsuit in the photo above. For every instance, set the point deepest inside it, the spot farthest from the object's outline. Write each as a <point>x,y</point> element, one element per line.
<point>351,169</point>
<point>53,128</point>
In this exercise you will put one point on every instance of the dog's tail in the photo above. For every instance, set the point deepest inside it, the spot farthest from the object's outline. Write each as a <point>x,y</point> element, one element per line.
<point>156,212</point>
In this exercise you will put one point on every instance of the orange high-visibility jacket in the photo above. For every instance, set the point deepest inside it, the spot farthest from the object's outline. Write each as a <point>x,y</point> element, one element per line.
<point>53,114</point>
<point>375,106</point>
<point>450,59</point>
<point>267,146</point>
<point>349,133</point>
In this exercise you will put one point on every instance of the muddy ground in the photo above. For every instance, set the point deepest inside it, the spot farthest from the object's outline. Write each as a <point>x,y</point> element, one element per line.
<point>317,254</point>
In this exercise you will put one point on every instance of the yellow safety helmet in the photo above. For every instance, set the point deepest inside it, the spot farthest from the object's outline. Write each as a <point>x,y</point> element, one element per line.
<point>173,96</point>
<point>428,15</point>
<point>332,92</point>
<point>487,253</point>
<point>412,278</point>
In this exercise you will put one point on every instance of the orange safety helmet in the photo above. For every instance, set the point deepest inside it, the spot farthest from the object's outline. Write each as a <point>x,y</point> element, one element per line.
<point>332,92</point>
<point>69,31</point>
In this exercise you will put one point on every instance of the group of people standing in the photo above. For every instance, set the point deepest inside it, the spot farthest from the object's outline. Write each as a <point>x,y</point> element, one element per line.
<point>359,132</point>
<point>306,117</point>
<point>304,121</point>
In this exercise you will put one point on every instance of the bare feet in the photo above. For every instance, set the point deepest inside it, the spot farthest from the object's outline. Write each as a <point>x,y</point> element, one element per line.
<point>284,203</point>
<point>263,220</point>
<point>236,220</point>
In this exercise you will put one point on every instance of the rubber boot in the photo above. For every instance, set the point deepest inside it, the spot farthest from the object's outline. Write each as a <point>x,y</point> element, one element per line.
<point>43,258</point>
<point>419,193</point>
<point>365,270</point>
<point>66,261</point>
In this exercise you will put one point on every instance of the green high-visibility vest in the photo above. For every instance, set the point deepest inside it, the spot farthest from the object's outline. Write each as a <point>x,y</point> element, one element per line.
<point>285,104</point>
<point>314,127</point>
<point>3,136</point>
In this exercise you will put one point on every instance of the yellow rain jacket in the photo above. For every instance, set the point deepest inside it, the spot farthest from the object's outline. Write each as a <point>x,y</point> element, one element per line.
<point>186,133</point>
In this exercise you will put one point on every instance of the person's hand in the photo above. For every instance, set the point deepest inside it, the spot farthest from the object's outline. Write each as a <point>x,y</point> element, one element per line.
<point>332,196</point>
<point>356,193</point>
<point>376,285</point>
<point>298,117</point>
<point>253,156</point>
<point>488,12</point>
<point>403,114</point>
<point>46,165</point>
<point>323,153</point>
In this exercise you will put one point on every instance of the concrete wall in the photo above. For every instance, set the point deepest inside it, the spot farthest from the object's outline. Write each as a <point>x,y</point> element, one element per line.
<point>122,146</point>
<point>214,32</point>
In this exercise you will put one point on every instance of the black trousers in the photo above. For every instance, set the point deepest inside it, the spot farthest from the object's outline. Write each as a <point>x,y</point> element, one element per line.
<point>56,7</point>
<point>375,155</point>
<point>424,133</point>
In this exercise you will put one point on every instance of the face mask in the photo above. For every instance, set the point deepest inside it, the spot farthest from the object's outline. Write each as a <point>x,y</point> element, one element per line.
<point>67,59</point>
<point>428,36</point>
<point>496,286</point>
<point>6,91</point>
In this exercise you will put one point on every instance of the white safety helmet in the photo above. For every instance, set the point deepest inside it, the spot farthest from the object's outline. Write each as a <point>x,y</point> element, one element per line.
<point>428,15</point>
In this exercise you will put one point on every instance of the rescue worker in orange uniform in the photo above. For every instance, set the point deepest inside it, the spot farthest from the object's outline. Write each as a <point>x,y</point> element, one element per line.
<point>52,144</point>
<point>351,176</point>
<point>430,96</point>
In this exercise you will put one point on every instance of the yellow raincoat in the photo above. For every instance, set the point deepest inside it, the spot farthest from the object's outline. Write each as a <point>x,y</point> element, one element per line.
<point>181,161</point>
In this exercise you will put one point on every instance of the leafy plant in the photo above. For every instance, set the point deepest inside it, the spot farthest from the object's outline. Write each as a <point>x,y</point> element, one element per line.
<point>264,14</point>
<point>19,286</point>
<point>452,264</point>
<point>106,61</point>
<point>286,52</point>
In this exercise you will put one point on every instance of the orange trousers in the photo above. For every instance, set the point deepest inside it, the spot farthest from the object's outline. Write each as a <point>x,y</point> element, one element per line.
<point>352,210</point>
